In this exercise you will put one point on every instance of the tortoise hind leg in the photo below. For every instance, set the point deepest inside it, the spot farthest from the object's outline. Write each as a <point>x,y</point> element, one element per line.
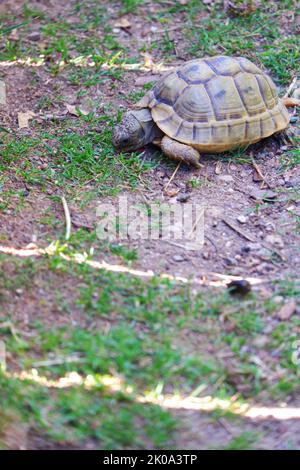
<point>180,152</point>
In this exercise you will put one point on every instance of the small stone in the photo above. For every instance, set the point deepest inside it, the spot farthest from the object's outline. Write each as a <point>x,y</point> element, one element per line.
<point>263,195</point>
<point>261,341</point>
<point>263,253</point>
<point>275,240</point>
<point>178,258</point>
<point>184,197</point>
<point>225,178</point>
<point>287,310</point>
<point>34,36</point>
<point>242,219</point>
<point>278,299</point>
<point>230,261</point>
<point>269,228</point>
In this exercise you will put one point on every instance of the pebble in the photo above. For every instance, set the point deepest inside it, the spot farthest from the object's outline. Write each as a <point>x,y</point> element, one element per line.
<point>263,195</point>
<point>270,228</point>
<point>184,197</point>
<point>225,178</point>
<point>34,36</point>
<point>263,252</point>
<point>230,261</point>
<point>242,219</point>
<point>261,341</point>
<point>275,240</point>
<point>178,258</point>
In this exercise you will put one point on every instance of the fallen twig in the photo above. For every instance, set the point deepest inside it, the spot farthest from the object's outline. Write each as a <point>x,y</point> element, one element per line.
<point>238,230</point>
<point>174,28</point>
<point>291,87</point>
<point>172,177</point>
<point>58,361</point>
<point>67,217</point>
<point>195,224</point>
<point>257,168</point>
<point>226,427</point>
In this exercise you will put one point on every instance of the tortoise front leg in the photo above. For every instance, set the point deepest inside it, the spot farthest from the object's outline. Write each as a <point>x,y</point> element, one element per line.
<point>180,152</point>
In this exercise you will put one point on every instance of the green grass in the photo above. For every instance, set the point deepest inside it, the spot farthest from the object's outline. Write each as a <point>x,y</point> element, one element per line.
<point>139,348</point>
<point>291,158</point>
<point>75,157</point>
<point>244,441</point>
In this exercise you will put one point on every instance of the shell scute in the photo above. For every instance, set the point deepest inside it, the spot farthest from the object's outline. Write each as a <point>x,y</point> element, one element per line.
<point>194,73</point>
<point>194,105</point>
<point>223,65</point>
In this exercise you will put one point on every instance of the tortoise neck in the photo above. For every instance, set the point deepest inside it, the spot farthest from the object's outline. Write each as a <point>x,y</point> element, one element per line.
<point>150,129</point>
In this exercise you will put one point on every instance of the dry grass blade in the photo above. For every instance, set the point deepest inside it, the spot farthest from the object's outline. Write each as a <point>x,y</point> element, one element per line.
<point>172,177</point>
<point>67,217</point>
<point>257,168</point>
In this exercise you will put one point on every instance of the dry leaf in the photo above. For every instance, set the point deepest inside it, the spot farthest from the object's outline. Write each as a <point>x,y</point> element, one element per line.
<point>218,169</point>
<point>122,23</point>
<point>148,60</point>
<point>287,310</point>
<point>256,177</point>
<point>171,192</point>
<point>291,102</point>
<point>75,110</point>
<point>14,35</point>
<point>24,118</point>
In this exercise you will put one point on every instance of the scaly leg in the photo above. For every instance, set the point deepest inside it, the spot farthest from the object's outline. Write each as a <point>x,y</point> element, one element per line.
<point>180,152</point>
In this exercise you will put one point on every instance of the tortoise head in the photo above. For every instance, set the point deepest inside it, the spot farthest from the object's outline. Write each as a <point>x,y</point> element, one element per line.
<point>134,131</point>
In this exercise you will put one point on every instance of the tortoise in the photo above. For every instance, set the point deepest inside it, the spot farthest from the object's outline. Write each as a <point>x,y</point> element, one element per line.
<point>207,105</point>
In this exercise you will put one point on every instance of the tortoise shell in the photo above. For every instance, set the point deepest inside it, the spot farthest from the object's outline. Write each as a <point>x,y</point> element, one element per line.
<point>217,103</point>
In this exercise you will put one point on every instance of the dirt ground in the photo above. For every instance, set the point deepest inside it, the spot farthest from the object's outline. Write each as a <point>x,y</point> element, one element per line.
<point>251,222</point>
